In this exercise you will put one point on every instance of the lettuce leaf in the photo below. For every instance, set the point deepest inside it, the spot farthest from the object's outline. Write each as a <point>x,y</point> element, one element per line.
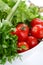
<point>10,2</point>
<point>24,13</point>
<point>4,9</point>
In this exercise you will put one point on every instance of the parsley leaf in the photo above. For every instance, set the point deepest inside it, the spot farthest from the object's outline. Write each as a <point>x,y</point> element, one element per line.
<point>8,43</point>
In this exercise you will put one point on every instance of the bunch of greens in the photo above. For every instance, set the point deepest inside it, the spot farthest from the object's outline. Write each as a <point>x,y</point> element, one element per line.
<point>24,13</point>
<point>8,43</point>
<point>21,14</point>
<point>13,13</point>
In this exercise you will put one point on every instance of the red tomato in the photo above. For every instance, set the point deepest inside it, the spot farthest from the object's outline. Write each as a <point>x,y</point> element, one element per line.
<point>22,31</point>
<point>36,21</point>
<point>23,28</point>
<point>37,31</point>
<point>23,46</point>
<point>32,41</point>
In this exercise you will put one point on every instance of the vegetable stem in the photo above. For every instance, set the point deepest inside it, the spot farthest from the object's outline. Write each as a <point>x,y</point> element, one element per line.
<point>11,14</point>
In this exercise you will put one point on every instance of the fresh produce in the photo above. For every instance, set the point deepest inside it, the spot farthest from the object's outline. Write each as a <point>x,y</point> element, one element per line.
<point>4,10</point>
<point>23,46</point>
<point>8,43</point>
<point>22,31</point>
<point>15,25</point>
<point>21,14</point>
<point>36,21</point>
<point>37,31</point>
<point>32,41</point>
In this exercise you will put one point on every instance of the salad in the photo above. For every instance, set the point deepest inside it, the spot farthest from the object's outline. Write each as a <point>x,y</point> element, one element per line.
<point>21,28</point>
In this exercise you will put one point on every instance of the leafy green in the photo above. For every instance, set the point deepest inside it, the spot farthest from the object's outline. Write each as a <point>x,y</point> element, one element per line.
<point>4,7</point>
<point>21,14</point>
<point>8,43</point>
<point>4,10</point>
<point>3,15</point>
<point>41,17</point>
<point>25,13</point>
<point>10,2</point>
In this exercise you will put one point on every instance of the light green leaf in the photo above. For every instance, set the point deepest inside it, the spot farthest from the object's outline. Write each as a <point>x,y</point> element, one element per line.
<point>4,7</point>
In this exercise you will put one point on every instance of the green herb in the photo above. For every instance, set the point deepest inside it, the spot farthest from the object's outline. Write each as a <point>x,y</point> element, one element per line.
<point>4,7</point>
<point>24,13</point>
<point>10,2</point>
<point>8,42</point>
<point>4,10</point>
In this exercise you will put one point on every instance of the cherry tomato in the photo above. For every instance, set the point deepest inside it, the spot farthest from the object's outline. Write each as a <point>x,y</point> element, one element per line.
<point>23,46</point>
<point>37,31</point>
<point>22,31</point>
<point>32,41</point>
<point>23,28</point>
<point>36,21</point>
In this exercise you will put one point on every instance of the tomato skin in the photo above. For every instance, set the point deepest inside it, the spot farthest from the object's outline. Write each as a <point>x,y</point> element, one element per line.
<point>23,28</point>
<point>22,31</point>
<point>21,44</point>
<point>32,41</point>
<point>37,31</point>
<point>36,21</point>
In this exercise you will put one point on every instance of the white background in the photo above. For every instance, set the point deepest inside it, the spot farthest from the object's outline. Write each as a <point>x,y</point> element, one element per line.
<point>37,2</point>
